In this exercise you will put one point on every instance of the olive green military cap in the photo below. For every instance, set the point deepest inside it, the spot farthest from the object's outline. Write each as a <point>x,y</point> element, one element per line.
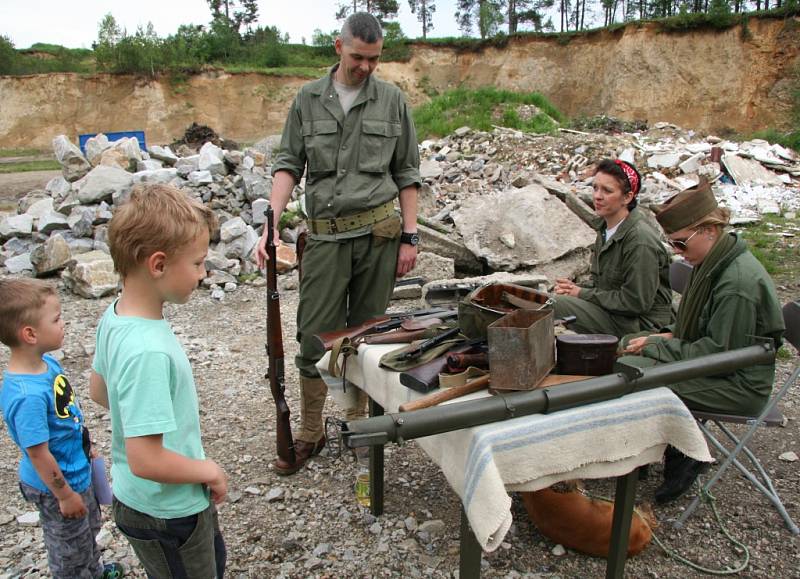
<point>687,207</point>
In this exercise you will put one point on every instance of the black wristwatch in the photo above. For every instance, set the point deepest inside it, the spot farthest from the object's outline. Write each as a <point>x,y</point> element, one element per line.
<point>409,238</point>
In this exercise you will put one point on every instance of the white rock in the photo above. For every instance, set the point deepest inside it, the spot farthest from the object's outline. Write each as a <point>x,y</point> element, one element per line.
<point>259,208</point>
<point>40,207</point>
<point>91,275</point>
<point>211,159</point>
<point>16,226</point>
<point>559,551</point>
<point>30,519</point>
<point>73,164</point>
<point>19,263</point>
<point>788,456</point>
<point>200,177</point>
<point>95,146</point>
<point>232,229</point>
<point>692,164</point>
<point>664,161</point>
<point>157,176</point>
<point>51,221</point>
<point>101,183</point>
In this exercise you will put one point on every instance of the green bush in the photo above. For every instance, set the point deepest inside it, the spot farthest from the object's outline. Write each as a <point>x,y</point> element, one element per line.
<point>482,108</point>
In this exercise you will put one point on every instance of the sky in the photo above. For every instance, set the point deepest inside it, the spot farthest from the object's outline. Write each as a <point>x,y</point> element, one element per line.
<point>74,23</point>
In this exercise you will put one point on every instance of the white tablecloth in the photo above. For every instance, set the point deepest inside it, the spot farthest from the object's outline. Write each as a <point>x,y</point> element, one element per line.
<point>482,464</point>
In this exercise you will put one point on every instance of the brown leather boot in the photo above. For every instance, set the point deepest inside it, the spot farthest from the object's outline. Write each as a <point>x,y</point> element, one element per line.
<point>302,452</point>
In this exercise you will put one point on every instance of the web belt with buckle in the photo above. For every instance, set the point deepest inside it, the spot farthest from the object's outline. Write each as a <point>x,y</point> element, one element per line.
<point>351,222</point>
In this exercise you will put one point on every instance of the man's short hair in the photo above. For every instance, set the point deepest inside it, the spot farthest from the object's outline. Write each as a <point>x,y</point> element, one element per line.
<point>155,218</point>
<point>21,301</point>
<point>361,25</point>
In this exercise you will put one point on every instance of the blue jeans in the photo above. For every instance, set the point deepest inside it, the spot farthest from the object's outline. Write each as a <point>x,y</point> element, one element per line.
<point>72,552</point>
<point>182,548</point>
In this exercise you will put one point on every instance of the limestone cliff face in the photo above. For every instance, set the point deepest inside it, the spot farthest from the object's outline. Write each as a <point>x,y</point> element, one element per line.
<point>707,80</point>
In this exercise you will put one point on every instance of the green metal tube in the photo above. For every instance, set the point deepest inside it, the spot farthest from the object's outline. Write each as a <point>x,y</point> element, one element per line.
<point>439,419</point>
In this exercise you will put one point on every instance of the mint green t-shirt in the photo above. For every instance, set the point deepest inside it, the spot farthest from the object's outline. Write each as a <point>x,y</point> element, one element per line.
<point>151,390</point>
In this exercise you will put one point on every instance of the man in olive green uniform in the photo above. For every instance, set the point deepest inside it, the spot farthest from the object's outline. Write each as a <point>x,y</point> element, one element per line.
<point>355,137</point>
<point>629,290</point>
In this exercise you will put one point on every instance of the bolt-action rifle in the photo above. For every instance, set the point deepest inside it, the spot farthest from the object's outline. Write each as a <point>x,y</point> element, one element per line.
<point>285,442</point>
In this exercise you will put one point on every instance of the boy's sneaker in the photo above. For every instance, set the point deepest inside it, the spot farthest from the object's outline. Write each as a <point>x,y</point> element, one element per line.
<point>113,571</point>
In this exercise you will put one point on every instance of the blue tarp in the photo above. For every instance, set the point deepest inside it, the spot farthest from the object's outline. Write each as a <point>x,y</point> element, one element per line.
<point>138,135</point>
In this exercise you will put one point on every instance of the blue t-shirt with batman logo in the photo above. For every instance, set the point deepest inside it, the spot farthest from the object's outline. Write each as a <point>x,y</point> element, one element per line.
<point>43,408</point>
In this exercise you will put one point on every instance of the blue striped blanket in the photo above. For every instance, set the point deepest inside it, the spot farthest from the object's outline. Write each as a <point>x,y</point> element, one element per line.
<point>484,463</point>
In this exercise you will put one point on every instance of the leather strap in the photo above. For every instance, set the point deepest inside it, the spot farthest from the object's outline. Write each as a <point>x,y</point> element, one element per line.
<point>452,380</point>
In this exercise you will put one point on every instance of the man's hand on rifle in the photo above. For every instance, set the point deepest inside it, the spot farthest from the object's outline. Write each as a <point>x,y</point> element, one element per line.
<point>261,250</point>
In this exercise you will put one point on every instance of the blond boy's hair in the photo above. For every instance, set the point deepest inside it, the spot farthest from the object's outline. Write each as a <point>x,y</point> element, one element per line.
<point>21,301</point>
<point>155,218</point>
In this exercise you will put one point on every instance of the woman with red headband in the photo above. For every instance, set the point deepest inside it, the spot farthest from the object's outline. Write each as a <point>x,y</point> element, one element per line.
<point>629,289</point>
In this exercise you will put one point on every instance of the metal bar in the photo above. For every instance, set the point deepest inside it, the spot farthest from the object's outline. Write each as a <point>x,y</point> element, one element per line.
<point>621,524</point>
<point>469,562</point>
<point>437,420</point>
<point>375,467</point>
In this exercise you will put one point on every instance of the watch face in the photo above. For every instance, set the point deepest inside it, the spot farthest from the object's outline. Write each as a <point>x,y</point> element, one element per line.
<point>410,238</point>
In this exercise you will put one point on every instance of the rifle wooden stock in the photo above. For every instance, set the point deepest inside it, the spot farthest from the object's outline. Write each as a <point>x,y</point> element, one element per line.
<point>445,395</point>
<point>425,377</point>
<point>285,442</point>
<point>418,320</point>
<point>326,340</point>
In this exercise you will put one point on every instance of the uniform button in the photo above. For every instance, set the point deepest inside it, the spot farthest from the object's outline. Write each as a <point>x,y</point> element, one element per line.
<point>343,171</point>
<point>344,147</point>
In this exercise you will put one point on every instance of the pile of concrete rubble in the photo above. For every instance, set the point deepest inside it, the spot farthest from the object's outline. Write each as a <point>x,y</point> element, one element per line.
<point>501,202</point>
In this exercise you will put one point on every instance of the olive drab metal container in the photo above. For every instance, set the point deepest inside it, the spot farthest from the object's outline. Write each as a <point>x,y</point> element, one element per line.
<point>586,354</point>
<point>490,302</point>
<point>521,349</point>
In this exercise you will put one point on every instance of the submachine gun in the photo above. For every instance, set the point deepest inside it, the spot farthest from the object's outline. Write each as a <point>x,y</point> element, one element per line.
<point>285,442</point>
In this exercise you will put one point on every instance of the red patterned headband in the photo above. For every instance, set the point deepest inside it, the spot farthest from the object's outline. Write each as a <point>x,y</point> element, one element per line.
<point>633,178</point>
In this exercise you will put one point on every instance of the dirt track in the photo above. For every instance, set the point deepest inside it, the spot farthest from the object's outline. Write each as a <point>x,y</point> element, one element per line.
<point>15,185</point>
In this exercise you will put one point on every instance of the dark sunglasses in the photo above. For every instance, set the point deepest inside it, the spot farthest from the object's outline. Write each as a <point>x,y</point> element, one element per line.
<point>680,244</point>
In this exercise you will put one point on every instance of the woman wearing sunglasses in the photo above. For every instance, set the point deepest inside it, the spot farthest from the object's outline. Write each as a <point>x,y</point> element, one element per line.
<point>730,299</point>
<point>629,289</point>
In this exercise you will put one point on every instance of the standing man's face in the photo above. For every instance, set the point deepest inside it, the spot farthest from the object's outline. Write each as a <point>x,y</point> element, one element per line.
<point>357,60</point>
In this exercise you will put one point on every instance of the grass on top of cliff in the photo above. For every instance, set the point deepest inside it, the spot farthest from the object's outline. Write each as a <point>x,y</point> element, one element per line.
<point>484,108</point>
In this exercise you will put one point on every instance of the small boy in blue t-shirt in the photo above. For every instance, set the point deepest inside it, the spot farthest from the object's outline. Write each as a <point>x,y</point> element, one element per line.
<point>165,489</point>
<point>45,421</point>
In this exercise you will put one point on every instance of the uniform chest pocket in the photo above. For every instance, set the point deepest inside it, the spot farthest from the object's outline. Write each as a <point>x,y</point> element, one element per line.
<point>378,141</point>
<point>321,140</point>
<point>611,277</point>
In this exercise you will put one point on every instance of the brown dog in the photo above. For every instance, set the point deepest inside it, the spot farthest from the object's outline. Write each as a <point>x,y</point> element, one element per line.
<point>574,520</point>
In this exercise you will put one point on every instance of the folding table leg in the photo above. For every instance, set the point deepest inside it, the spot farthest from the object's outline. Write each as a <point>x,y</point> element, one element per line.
<point>375,468</point>
<point>621,524</point>
<point>469,565</point>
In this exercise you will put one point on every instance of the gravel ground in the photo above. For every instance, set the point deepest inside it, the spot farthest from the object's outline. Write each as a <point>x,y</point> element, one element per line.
<point>309,525</point>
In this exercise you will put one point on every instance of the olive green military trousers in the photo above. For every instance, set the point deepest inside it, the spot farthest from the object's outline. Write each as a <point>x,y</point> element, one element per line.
<point>344,284</point>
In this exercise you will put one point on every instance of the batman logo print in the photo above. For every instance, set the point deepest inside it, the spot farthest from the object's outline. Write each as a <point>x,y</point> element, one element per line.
<point>63,395</point>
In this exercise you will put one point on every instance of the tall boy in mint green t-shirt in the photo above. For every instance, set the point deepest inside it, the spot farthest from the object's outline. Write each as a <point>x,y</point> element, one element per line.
<point>162,479</point>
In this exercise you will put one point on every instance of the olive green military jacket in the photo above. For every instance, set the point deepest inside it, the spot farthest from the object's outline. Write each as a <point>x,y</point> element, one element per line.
<point>743,304</point>
<point>354,162</point>
<point>630,273</point>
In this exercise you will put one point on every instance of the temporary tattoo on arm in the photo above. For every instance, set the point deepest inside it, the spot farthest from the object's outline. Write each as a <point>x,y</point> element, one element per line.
<point>58,481</point>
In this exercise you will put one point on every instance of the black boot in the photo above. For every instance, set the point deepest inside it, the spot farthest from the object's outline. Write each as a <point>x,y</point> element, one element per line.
<point>680,472</point>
